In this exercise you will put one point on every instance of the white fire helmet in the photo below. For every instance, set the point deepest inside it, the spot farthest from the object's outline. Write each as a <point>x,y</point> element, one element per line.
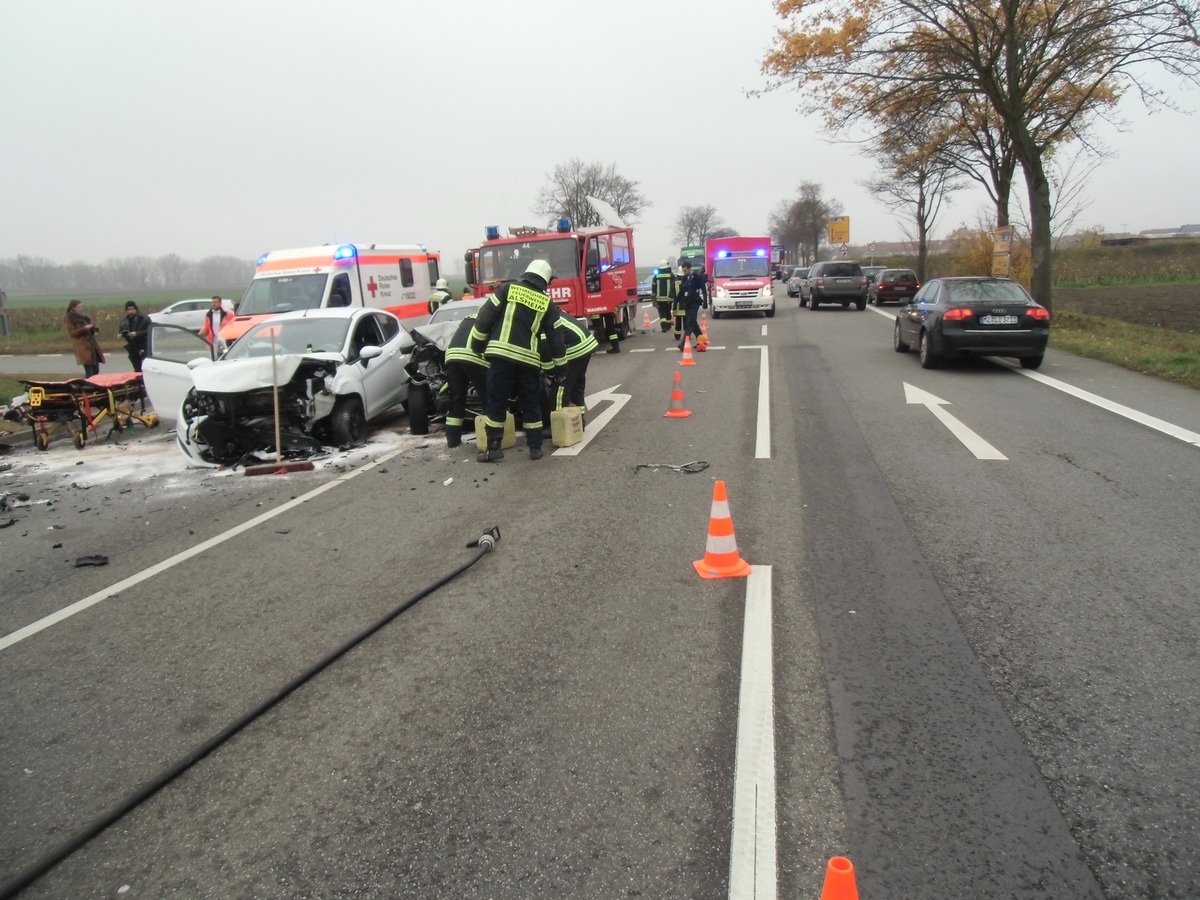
<point>541,269</point>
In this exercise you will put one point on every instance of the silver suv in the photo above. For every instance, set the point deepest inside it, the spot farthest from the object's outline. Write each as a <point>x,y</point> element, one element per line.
<point>835,281</point>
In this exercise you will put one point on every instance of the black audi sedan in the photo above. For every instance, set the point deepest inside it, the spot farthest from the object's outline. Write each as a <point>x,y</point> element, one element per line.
<point>973,315</point>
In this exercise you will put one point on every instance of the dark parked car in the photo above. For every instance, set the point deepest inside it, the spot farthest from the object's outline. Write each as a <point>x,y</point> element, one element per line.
<point>893,286</point>
<point>871,272</point>
<point>973,315</point>
<point>835,281</point>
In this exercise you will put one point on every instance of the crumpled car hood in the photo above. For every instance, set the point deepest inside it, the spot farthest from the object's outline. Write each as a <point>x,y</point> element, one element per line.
<point>233,376</point>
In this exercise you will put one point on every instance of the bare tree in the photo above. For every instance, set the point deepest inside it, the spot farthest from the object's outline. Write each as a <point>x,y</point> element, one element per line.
<point>809,216</point>
<point>573,182</point>
<point>914,182</point>
<point>1047,71</point>
<point>695,224</point>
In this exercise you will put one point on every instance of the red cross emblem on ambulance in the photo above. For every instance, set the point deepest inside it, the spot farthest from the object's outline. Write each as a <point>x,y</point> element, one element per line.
<point>372,286</point>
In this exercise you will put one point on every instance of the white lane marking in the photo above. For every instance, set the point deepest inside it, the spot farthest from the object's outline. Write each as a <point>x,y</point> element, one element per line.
<point>763,332</point>
<point>752,864</point>
<point>50,355</point>
<point>762,445</point>
<point>79,606</point>
<point>1188,437</point>
<point>973,442</point>
<point>882,312</point>
<point>594,425</point>
<point>1161,425</point>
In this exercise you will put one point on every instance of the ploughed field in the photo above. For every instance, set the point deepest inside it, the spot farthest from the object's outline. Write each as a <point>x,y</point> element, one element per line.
<point>1173,306</point>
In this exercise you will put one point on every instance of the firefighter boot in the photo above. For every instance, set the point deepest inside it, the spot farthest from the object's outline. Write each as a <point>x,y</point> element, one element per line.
<point>615,348</point>
<point>535,452</point>
<point>453,436</point>
<point>493,453</point>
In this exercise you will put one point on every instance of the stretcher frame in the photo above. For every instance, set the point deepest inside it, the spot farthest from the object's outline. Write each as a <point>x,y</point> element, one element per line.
<point>86,402</point>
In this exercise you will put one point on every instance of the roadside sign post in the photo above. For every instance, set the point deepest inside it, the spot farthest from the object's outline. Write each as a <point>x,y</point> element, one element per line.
<point>1002,251</point>
<point>839,229</point>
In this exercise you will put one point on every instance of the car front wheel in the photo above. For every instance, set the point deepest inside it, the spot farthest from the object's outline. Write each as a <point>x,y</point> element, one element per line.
<point>898,343</point>
<point>348,424</point>
<point>770,313</point>
<point>929,359</point>
<point>418,410</point>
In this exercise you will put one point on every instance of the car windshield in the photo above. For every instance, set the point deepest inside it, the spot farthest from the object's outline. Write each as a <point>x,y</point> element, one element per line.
<point>842,270</point>
<point>900,276</point>
<point>741,267</point>
<point>290,336</point>
<point>999,292</point>
<point>455,311</point>
<point>506,262</point>
<point>283,294</point>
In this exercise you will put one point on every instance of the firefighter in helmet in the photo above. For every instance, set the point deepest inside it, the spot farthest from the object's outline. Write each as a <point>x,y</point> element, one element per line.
<point>507,333</point>
<point>464,369</point>
<point>664,293</point>
<point>441,294</point>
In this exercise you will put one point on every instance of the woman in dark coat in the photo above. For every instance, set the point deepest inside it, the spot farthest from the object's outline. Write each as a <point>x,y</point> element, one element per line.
<point>83,336</point>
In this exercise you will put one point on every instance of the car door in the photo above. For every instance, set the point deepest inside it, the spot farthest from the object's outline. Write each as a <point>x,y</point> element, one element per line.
<point>165,370</point>
<point>383,378</point>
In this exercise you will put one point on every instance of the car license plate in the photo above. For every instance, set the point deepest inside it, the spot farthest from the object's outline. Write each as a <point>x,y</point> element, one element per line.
<point>743,304</point>
<point>998,320</point>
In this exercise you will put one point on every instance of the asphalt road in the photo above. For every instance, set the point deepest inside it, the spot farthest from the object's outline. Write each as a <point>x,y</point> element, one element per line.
<point>982,670</point>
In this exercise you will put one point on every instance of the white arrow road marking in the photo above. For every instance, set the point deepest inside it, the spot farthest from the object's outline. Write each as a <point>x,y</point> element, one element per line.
<point>595,424</point>
<point>973,442</point>
<point>752,865</point>
<point>762,447</point>
<point>1189,437</point>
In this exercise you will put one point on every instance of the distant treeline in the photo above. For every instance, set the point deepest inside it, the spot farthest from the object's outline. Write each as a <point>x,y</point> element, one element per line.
<point>33,275</point>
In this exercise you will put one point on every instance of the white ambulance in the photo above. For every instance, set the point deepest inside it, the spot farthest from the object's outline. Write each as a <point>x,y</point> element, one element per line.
<point>395,277</point>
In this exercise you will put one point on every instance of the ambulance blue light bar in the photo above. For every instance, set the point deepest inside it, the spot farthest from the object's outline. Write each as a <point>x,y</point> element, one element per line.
<point>760,252</point>
<point>346,251</point>
<point>722,253</point>
<point>262,259</point>
<point>564,225</point>
<point>492,232</point>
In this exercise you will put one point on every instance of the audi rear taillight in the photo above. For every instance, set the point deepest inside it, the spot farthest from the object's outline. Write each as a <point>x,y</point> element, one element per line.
<point>1038,314</point>
<point>957,315</point>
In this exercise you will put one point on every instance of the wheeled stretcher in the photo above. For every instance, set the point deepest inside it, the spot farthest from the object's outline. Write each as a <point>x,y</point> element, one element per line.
<point>82,404</point>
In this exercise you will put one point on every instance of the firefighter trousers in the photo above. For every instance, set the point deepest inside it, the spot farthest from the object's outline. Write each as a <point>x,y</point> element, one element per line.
<point>505,377</point>
<point>460,378</point>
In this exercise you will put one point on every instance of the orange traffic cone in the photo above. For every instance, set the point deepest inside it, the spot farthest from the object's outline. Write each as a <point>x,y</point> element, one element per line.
<point>646,321</point>
<point>721,559</point>
<point>677,411</point>
<point>839,880</point>
<point>688,359</point>
<point>703,322</point>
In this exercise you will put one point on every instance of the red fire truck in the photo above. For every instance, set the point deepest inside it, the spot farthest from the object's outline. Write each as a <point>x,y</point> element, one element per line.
<point>594,268</point>
<point>740,272</point>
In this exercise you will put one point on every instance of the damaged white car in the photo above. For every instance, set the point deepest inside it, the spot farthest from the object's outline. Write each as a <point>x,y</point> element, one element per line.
<point>335,369</point>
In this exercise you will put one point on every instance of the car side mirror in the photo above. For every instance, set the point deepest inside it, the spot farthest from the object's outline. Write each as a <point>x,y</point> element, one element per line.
<point>369,352</point>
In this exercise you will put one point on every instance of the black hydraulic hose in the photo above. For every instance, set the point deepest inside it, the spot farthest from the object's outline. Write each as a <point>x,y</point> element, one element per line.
<point>12,887</point>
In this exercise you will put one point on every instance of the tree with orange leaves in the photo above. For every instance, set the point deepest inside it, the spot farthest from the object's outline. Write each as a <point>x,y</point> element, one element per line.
<point>1046,69</point>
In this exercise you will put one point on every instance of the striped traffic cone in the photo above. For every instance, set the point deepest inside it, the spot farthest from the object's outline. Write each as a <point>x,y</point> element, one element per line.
<point>721,559</point>
<point>703,322</point>
<point>646,321</point>
<point>677,411</point>
<point>688,359</point>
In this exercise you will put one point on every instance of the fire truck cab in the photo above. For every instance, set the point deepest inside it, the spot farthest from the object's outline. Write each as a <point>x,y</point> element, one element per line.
<point>594,268</point>
<point>395,277</point>
<point>740,273</point>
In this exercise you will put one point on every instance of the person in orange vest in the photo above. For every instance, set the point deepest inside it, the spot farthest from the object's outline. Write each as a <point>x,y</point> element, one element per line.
<point>467,293</point>
<point>214,321</point>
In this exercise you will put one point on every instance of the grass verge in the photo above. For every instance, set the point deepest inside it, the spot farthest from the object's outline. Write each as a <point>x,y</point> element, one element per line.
<point>1170,355</point>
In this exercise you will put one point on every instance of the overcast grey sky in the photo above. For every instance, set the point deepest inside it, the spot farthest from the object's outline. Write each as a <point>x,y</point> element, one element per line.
<point>145,127</point>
